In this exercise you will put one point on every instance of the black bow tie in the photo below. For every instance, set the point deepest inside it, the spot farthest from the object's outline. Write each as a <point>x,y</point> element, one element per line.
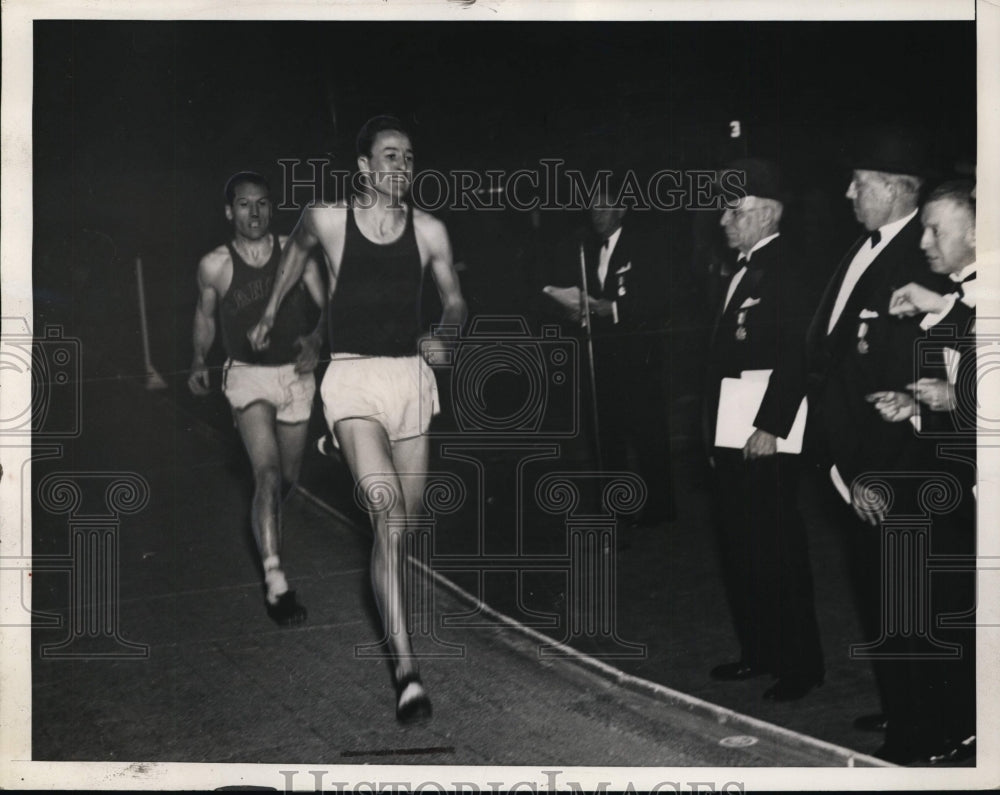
<point>958,286</point>
<point>875,238</point>
<point>748,263</point>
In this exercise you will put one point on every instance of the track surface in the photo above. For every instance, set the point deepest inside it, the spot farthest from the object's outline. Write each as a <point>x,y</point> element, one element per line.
<point>220,683</point>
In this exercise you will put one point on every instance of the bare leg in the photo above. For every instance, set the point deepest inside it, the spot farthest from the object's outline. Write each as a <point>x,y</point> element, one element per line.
<point>291,445</point>
<point>257,427</point>
<point>409,457</point>
<point>373,461</point>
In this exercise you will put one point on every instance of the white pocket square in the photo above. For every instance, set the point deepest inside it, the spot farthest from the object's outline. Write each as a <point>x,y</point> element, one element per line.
<point>626,269</point>
<point>749,303</point>
<point>867,314</point>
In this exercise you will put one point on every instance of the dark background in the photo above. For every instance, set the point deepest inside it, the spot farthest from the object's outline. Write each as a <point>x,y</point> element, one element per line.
<point>137,125</point>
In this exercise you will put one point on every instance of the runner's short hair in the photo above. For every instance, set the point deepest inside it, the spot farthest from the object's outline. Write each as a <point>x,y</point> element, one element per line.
<point>241,178</point>
<point>372,127</point>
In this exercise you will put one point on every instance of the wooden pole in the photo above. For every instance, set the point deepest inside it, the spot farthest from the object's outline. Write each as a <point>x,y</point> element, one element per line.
<point>153,379</point>
<point>585,314</point>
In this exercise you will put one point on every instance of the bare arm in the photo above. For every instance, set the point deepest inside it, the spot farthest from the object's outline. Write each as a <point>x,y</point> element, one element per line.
<point>310,344</point>
<point>293,263</point>
<point>314,283</point>
<point>203,333</point>
<point>433,237</point>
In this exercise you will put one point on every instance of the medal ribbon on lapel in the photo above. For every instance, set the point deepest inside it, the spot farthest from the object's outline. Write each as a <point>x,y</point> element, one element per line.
<point>741,318</point>
<point>863,317</point>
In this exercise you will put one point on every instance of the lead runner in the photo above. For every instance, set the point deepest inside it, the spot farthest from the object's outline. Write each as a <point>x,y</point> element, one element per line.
<point>379,393</point>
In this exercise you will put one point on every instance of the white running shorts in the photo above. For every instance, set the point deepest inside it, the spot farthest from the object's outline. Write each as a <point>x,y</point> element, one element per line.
<point>400,392</point>
<point>290,393</point>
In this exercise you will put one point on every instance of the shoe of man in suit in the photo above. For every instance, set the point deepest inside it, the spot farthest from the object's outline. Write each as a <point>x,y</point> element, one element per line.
<point>957,753</point>
<point>908,755</point>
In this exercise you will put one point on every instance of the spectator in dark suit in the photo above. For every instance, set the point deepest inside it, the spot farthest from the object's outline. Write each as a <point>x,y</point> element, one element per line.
<point>626,274</point>
<point>884,191</point>
<point>949,241</point>
<point>939,721</point>
<point>854,350</point>
<point>760,330</point>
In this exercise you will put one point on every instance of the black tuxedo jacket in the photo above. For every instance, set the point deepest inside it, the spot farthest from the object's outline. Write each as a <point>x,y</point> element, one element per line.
<point>899,263</point>
<point>954,433</point>
<point>843,368</point>
<point>636,282</point>
<point>955,331</point>
<point>763,328</point>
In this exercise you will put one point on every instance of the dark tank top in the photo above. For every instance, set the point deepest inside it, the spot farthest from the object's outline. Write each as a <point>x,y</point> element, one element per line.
<point>244,303</point>
<point>375,309</point>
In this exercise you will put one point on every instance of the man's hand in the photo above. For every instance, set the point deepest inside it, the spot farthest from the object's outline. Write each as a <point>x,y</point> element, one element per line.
<point>760,444</point>
<point>259,335</point>
<point>567,299</point>
<point>867,505</point>
<point>436,351</point>
<point>308,347</point>
<point>936,393</point>
<point>893,406</point>
<point>198,380</point>
<point>913,299</point>
<point>601,307</point>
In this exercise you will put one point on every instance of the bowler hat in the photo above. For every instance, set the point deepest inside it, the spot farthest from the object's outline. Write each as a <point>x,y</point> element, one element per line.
<point>893,150</point>
<point>761,178</point>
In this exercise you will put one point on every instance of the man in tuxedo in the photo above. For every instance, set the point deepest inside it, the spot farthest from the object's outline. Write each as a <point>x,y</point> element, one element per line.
<point>855,350</point>
<point>949,242</point>
<point>760,331</point>
<point>940,721</point>
<point>842,352</point>
<point>626,275</point>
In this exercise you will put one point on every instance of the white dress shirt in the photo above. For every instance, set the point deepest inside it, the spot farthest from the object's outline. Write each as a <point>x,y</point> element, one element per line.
<point>604,257</point>
<point>968,297</point>
<point>745,258</point>
<point>866,256</point>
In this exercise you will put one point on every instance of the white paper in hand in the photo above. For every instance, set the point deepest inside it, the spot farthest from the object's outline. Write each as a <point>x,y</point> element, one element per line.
<point>739,402</point>
<point>567,297</point>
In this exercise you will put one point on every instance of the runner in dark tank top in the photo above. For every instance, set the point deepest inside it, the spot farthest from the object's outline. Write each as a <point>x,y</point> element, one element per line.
<point>379,379</point>
<point>271,392</point>
<point>244,301</point>
<point>375,309</point>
